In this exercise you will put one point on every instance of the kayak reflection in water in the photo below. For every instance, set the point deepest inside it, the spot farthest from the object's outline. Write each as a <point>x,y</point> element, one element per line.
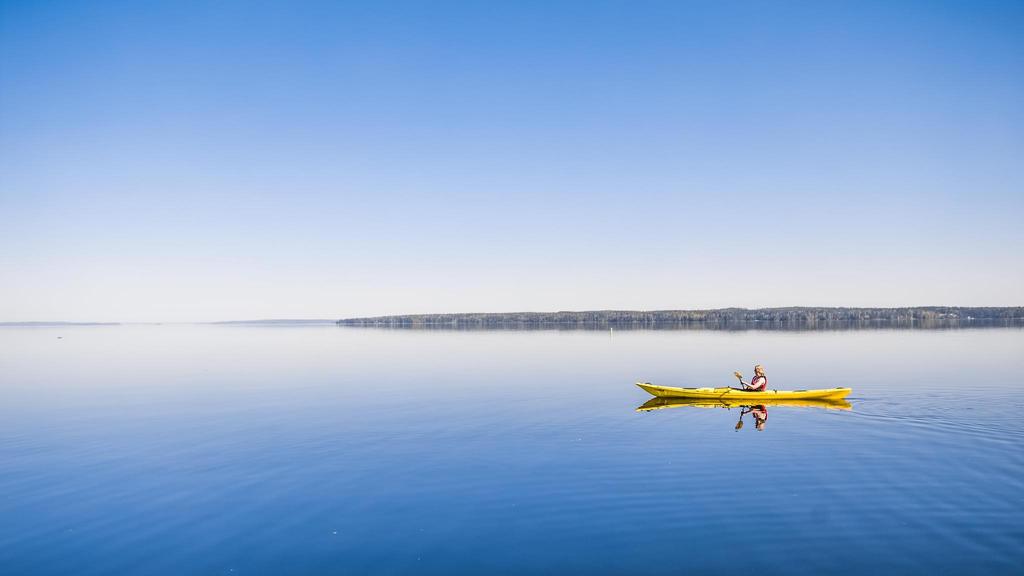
<point>738,401</point>
<point>760,414</point>
<point>746,404</point>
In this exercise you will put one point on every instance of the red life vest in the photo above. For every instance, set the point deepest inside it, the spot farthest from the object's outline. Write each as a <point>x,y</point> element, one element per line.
<point>755,386</point>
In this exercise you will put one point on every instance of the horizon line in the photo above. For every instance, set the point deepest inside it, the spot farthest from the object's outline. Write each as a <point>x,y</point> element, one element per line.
<point>41,323</point>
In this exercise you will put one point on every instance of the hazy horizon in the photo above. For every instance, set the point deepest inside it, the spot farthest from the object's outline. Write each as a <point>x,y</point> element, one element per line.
<point>170,162</point>
<point>330,319</point>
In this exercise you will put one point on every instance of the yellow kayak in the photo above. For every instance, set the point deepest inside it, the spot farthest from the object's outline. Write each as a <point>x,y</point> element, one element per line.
<point>743,395</point>
<point>668,402</point>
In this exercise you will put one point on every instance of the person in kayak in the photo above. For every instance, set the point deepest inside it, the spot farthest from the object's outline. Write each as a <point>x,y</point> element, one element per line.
<point>758,384</point>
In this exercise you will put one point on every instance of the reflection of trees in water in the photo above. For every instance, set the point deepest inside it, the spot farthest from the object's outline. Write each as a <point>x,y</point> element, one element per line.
<point>725,319</point>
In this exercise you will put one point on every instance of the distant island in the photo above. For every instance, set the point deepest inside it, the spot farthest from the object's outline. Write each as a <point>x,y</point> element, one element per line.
<point>791,316</point>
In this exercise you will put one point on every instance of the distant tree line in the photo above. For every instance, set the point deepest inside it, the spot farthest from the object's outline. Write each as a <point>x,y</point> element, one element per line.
<point>722,317</point>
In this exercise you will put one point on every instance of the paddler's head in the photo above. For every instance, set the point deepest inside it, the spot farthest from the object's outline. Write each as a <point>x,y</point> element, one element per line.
<point>759,370</point>
<point>759,425</point>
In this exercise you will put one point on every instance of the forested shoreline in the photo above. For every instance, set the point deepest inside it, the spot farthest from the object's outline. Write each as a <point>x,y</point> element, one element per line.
<point>723,316</point>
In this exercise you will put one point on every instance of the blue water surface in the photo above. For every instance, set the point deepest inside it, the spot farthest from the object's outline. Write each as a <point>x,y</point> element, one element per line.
<point>331,450</point>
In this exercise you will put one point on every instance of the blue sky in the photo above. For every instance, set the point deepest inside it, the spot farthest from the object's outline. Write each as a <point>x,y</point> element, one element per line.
<point>178,161</point>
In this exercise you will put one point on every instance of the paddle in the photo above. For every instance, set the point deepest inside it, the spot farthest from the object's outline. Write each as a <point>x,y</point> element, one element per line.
<point>739,377</point>
<point>739,423</point>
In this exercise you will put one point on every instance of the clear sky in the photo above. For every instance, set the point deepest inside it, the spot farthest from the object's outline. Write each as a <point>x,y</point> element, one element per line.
<point>183,161</point>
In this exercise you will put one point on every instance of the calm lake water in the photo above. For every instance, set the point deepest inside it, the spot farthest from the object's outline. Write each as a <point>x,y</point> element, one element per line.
<point>328,450</point>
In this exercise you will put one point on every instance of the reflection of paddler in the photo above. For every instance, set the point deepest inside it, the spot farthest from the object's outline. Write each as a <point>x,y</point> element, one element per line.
<point>760,414</point>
